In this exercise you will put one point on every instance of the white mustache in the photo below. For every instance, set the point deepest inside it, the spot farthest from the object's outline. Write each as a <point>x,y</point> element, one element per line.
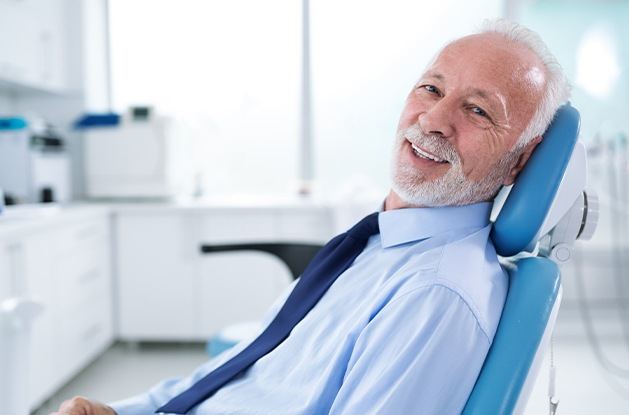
<point>438,146</point>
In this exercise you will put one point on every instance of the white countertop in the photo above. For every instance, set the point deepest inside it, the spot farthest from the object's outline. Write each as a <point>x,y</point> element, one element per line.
<point>231,202</point>
<point>27,218</point>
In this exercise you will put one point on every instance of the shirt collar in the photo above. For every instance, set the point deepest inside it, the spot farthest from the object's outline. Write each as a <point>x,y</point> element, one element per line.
<point>400,226</point>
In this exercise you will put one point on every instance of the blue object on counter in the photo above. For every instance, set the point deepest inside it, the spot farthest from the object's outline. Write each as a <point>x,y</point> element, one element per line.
<point>12,123</point>
<point>97,120</point>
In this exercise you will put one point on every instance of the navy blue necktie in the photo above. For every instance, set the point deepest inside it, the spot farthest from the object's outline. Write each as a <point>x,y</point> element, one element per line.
<point>334,258</point>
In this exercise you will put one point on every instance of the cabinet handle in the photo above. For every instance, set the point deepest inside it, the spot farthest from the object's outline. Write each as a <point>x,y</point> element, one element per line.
<point>20,312</point>
<point>45,40</point>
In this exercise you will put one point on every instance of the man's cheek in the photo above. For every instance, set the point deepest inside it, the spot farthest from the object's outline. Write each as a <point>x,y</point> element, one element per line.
<point>471,167</point>
<point>408,116</point>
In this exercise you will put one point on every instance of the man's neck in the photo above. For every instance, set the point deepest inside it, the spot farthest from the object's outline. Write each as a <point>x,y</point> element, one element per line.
<point>393,201</point>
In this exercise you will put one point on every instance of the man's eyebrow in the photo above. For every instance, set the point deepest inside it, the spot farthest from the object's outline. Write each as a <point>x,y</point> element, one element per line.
<point>495,103</point>
<point>480,93</point>
<point>436,75</point>
<point>486,96</point>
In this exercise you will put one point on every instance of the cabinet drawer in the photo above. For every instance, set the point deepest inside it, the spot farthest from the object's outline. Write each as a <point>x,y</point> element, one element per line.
<point>83,277</point>
<point>81,335</point>
<point>89,287</point>
<point>73,237</point>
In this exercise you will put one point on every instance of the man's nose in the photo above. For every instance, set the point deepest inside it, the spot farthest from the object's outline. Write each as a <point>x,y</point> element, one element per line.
<point>437,120</point>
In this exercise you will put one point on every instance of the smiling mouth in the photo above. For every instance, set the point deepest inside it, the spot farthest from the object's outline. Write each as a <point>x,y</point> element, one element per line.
<point>419,152</point>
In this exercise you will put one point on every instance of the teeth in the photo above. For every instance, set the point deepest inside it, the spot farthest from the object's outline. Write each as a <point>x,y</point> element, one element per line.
<point>421,153</point>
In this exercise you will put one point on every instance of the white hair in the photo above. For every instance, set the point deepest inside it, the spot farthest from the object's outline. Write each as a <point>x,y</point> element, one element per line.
<point>557,89</point>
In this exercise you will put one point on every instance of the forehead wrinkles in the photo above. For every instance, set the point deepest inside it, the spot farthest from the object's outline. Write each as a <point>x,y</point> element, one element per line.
<point>472,84</point>
<point>509,73</point>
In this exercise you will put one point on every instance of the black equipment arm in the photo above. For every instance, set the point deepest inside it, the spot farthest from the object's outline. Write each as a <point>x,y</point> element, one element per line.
<point>296,256</point>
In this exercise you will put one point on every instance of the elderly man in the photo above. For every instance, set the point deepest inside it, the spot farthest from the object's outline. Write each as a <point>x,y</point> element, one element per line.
<point>397,315</point>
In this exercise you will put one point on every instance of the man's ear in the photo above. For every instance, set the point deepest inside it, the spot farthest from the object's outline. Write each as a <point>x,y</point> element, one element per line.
<point>519,165</point>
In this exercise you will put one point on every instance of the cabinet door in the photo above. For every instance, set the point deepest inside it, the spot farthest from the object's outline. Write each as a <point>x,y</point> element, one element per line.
<point>155,257</point>
<point>19,42</point>
<point>40,277</point>
<point>51,43</point>
<point>167,289</point>
<point>236,288</point>
<point>13,353</point>
<point>67,270</point>
<point>239,286</point>
<point>33,42</point>
<point>83,292</point>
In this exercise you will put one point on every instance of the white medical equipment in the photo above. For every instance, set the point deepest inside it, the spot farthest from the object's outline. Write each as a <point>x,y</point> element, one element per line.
<point>34,164</point>
<point>609,155</point>
<point>139,158</point>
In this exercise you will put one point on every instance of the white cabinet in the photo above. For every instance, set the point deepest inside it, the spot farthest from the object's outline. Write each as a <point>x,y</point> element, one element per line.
<point>33,44</point>
<point>83,294</point>
<point>167,289</point>
<point>155,276</point>
<point>63,264</point>
<point>39,275</point>
<point>237,287</point>
<point>15,328</point>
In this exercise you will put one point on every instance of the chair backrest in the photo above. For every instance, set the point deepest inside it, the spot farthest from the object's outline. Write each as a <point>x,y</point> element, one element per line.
<point>532,302</point>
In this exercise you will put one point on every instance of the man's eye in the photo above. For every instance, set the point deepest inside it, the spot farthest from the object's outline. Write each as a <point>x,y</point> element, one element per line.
<point>432,89</point>
<point>479,111</point>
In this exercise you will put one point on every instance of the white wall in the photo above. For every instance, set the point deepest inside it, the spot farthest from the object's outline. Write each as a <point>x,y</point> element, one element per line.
<point>95,59</point>
<point>228,71</point>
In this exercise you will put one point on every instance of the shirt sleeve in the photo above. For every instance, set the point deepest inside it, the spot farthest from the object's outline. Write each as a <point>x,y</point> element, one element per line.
<point>420,354</point>
<point>161,393</point>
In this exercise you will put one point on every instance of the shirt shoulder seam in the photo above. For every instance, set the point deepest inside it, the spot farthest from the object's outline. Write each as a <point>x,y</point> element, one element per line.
<point>444,283</point>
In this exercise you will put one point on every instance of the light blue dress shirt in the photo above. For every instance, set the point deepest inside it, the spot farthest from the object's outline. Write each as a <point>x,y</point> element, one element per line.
<point>404,330</point>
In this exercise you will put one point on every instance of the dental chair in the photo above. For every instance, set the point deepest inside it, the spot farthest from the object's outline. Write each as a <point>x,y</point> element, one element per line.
<point>536,223</point>
<point>546,210</point>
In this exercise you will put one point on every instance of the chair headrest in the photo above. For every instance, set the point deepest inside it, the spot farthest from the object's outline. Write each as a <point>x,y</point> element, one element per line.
<point>522,218</point>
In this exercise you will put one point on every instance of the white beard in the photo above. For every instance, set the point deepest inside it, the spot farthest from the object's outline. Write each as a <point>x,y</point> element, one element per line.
<point>451,189</point>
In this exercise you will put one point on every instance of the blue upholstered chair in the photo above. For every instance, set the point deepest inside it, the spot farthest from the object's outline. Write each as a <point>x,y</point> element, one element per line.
<point>546,210</point>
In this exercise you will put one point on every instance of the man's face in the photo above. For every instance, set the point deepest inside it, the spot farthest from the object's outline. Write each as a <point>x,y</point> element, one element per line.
<point>462,119</point>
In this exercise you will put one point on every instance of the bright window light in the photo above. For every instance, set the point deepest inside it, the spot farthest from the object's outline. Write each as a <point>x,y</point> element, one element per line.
<point>227,72</point>
<point>597,62</point>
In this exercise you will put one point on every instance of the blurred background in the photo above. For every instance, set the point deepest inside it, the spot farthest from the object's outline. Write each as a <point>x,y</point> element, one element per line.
<point>133,132</point>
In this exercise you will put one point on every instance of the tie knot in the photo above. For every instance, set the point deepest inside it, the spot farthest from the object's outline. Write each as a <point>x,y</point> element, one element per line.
<point>366,227</point>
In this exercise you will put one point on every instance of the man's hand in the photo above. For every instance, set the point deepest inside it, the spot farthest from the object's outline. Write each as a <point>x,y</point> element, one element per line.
<point>83,406</point>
